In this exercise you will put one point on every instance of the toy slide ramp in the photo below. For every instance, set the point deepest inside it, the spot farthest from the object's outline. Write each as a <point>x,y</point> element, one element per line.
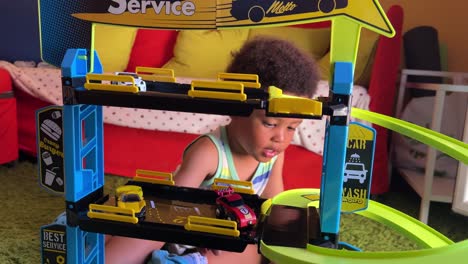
<point>450,146</point>
<point>455,253</point>
<point>410,227</point>
<point>438,248</point>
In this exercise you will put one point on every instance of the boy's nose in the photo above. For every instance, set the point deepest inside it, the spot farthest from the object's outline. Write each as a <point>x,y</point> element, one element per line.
<point>278,136</point>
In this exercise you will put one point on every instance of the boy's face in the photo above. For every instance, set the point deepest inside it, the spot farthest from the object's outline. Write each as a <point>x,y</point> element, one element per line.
<point>260,136</point>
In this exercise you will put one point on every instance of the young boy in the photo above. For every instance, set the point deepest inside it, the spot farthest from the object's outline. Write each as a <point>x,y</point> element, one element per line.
<point>248,149</point>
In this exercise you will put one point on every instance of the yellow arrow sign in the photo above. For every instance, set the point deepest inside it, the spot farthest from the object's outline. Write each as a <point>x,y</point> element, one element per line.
<point>367,13</point>
<point>205,14</point>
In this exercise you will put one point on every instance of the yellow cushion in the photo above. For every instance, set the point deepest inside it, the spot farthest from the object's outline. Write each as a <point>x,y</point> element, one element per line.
<point>314,41</point>
<point>364,59</point>
<point>324,66</point>
<point>113,45</point>
<point>205,53</point>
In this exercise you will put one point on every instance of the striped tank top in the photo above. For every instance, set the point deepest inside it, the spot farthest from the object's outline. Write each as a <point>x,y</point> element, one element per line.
<point>226,168</point>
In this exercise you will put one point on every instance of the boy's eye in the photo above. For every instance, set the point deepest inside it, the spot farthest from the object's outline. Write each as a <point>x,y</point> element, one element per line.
<point>292,128</point>
<point>268,124</point>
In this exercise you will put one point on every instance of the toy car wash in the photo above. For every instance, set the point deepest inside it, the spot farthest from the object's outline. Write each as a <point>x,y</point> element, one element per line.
<point>231,206</point>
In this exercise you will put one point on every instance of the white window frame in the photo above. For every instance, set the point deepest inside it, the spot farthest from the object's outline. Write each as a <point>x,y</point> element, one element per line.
<point>460,198</point>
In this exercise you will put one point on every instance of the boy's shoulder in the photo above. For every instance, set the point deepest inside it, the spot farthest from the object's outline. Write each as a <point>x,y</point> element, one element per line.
<point>207,143</point>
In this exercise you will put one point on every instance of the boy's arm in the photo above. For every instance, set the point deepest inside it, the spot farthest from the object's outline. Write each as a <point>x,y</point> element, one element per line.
<point>275,183</point>
<point>124,250</point>
<point>200,161</point>
<point>249,256</point>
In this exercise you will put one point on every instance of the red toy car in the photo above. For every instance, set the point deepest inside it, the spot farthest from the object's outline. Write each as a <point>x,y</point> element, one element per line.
<point>231,206</point>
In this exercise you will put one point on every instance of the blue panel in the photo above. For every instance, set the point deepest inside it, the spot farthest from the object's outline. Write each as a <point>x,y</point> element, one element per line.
<point>73,245</point>
<point>325,155</point>
<point>75,63</point>
<point>84,247</point>
<point>334,154</point>
<point>84,159</point>
<point>343,78</point>
<point>72,134</point>
<point>332,183</point>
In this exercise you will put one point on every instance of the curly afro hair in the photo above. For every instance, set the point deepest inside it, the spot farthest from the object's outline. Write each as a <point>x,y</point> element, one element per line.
<point>279,63</point>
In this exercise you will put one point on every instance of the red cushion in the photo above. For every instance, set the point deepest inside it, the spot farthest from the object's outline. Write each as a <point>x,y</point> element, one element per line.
<point>302,168</point>
<point>27,107</point>
<point>382,86</point>
<point>8,122</point>
<point>152,48</point>
<point>157,150</point>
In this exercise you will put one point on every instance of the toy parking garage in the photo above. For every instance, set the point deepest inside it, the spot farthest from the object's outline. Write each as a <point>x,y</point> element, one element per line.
<point>173,214</point>
<point>161,210</point>
<point>165,212</point>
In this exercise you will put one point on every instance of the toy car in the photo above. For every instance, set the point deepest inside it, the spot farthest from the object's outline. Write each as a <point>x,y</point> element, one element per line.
<point>256,10</point>
<point>355,169</point>
<point>231,206</point>
<point>139,82</point>
<point>131,196</point>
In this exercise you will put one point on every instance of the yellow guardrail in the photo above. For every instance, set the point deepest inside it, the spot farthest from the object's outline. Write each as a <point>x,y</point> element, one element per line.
<point>157,177</point>
<point>212,225</point>
<point>156,74</point>
<point>218,90</point>
<point>249,80</point>
<point>95,82</point>
<point>219,184</point>
<point>280,103</point>
<point>108,212</point>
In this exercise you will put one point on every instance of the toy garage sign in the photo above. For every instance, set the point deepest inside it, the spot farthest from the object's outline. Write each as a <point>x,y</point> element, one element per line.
<point>66,24</point>
<point>358,167</point>
<point>54,244</point>
<point>50,148</point>
<point>205,14</point>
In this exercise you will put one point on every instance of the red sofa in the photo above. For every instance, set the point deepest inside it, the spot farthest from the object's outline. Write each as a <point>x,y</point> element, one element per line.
<point>8,123</point>
<point>127,149</point>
